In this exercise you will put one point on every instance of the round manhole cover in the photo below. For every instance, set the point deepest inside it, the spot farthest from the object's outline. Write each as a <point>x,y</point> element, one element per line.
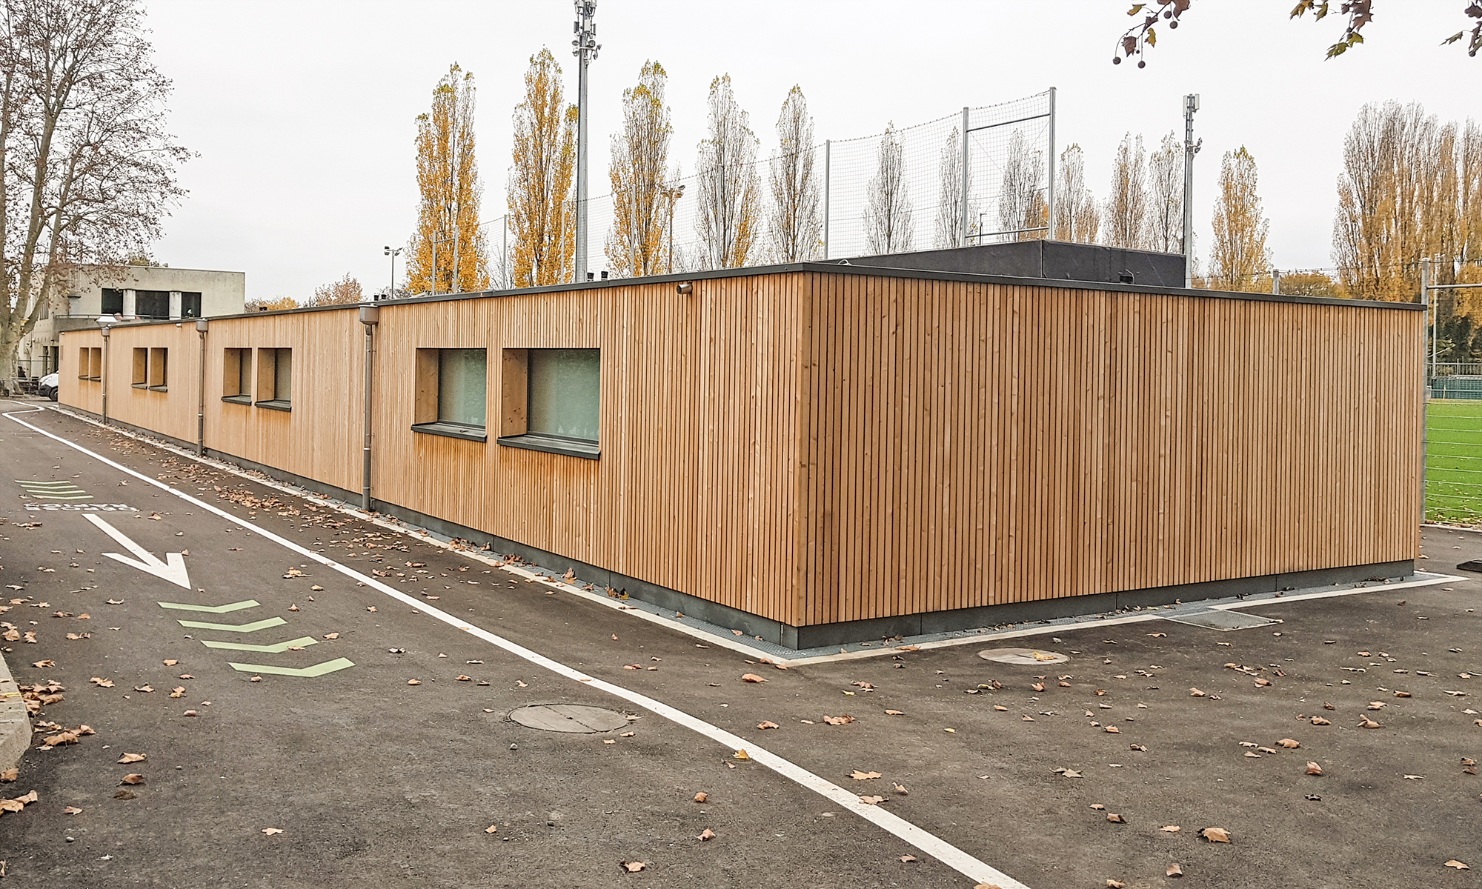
<point>1022,656</point>
<point>573,718</point>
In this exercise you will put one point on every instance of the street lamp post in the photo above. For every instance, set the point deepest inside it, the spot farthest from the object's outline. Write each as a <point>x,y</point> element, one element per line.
<point>673,194</point>
<point>391,291</point>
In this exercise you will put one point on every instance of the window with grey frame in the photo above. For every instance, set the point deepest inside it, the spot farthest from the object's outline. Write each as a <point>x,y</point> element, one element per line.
<point>452,388</point>
<point>552,401</point>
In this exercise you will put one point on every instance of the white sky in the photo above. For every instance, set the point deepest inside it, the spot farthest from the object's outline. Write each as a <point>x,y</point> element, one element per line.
<point>303,111</point>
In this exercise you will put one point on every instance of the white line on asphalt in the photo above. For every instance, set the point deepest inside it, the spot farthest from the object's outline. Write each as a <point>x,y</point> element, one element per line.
<point>943,851</point>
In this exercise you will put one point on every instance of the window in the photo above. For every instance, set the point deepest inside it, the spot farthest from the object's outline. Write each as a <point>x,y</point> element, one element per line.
<point>151,304</point>
<point>150,369</point>
<point>275,378</point>
<point>190,305</point>
<point>89,363</point>
<point>236,375</point>
<point>159,360</point>
<point>452,396</point>
<point>551,400</point>
<point>112,301</point>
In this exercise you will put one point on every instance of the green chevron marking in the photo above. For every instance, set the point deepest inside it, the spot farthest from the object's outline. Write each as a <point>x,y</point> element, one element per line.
<point>212,609</point>
<point>338,663</point>
<point>275,648</point>
<point>81,495</point>
<point>233,628</point>
<point>48,485</point>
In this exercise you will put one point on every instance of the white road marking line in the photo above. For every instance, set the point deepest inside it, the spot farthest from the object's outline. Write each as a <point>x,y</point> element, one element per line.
<point>172,569</point>
<point>941,850</point>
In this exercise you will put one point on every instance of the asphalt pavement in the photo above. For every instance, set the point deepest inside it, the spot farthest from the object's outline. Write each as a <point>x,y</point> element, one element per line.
<point>324,701</point>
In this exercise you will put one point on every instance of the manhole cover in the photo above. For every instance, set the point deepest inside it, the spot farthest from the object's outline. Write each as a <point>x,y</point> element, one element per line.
<point>573,718</point>
<point>1022,656</point>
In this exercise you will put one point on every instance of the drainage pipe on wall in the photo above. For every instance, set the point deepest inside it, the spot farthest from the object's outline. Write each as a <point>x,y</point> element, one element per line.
<point>103,374</point>
<point>370,316</point>
<point>201,393</point>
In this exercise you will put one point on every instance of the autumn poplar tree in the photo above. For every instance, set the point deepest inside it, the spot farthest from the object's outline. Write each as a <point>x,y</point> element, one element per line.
<point>889,227</point>
<point>729,187</point>
<point>1238,256</point>
<point>952,192</point>
<point>796,226</point>
<point>542,216</point>
<point>638,172</point>
<point>87,171</point>
<point>1077,218</point>
<point>345,291</point>
<point>448,239</point>
<point>1021,193</point>
<point>1124,220</point>
<point>1165,224</point>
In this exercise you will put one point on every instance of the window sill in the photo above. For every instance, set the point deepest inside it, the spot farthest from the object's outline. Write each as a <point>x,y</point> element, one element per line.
<point>158,388</point>
<point>274,405</point>
<point>140,386</point>
<point>452,430</point>
<point>237,399</point>
<point>553,444</point>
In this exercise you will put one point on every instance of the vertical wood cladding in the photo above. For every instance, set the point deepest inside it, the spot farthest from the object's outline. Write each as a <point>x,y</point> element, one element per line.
<point>816,446</point>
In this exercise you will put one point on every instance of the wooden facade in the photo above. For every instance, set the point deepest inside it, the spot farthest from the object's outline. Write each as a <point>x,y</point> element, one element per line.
<point>816,445</point>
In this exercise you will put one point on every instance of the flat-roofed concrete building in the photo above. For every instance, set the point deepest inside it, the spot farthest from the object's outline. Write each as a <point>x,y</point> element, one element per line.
<point>157,293</point>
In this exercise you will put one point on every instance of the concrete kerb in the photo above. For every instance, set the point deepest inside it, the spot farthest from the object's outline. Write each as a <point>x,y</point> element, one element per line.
<point>15,722</point>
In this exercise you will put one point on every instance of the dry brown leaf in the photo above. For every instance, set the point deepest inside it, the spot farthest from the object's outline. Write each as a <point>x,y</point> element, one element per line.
<point>272,831</point>
<point>1369,723</point>
<point>331,635</point>
<point>1453,863</point>
<point>190,713</point>
<point>9,775</point>
<point>10,805</point>
<point>1376,705</point>
<point>764,725</point>
<point>170,662</point>
<point>857,775</point>
<point>461,678</point>
<point>133,757</point>
<point>702,797</point>
<point>906,858</point>
<point>838,720</point>
<point>1289,743</point>
<point>1215,834</point>
<point>71,810</point>
<point>751,677</point>
<point>1038,686</point>
<point>1314,770</point>
<point>895,713</point>
<point>1115,884</point>
<point>144,689</point>
<point>1000,708</point>
<point>1115,818</point>
<point>706,835</point>
<point>1174,871</point>
<point>177,692</point>
<point>132,778</point>
<point>493,828</point>
<point>101,682</point>
<point>1196,693</point>
<point>1318,720</point>
<point>1112,729</point>
<point>633,867</point>
<point>900,788</point>
<point>414,682</point>
<point>1170,828</point>
<point>872,800</point>
<point>41,665</point>
<point>741,755</point>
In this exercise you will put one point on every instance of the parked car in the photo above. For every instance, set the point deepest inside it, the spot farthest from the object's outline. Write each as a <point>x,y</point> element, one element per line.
<point>46,387</point>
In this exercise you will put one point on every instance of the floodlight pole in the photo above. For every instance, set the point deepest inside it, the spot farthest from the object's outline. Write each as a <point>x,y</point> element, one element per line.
<point>1191,148</point>
<point>586,50</point>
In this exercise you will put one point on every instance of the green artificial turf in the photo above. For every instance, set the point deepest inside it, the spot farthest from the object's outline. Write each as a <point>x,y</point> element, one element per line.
<point>1453,461</point>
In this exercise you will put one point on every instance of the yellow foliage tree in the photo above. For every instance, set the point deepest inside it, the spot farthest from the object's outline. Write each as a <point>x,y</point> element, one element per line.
<point>640,193</point>
<point>448,240</point>
<point>542,217</point>
<point>1238,256</point>
<point>276,304</point>
<point>729,203</point>
<point>342,292</point>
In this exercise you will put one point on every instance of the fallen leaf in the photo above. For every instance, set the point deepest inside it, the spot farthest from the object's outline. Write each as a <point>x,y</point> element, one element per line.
<point>741,755</point>
<point>190,713</point>
<point>1314,770</point>
<point>462,678</point>
<point>1369,723</point>
<point>864,776</point>
<point>838,720</point>
<point>177,692</point>
<point>701,797</point>
<point>41,665</point>
<point>171,662</point>
<point>766,725</point>
<point>133,757</point>
<point>144,689</point>
<point>493,828</point>
<point>1318,720</point>
<point>101,682</point>
<point>872,800</point>
<point>1289,743</point>
<point>414,682</point>
<point>1452,862</point>
<point>634,867</point>
<point>706,835</point>
<point>9,775</point>
<point>1112,729</point>
<point>1376,705</point>
<point>1115,884</point>
<point>71,810</point>
<point>132,778</point>
<point>1115,818</point>
<point>1196,693</point>
<point>272,831</point>
<point>900,788</point>
<point>331,635</point>
<point>1174,871</point>
<point>1215,834</point>
<point>1170,828</point>
<point>751,677</point>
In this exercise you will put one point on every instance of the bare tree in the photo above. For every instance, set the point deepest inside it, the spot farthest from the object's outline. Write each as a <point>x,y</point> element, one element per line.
<point>888,224</point>
<point>950,209</point>
<point>1021,195</point>
<point>729,185</point>
<point>1124,222</point>
<point>1077,218</point>
<point>87,172</point>
<point>796,227</point>
<point>1165,227</point>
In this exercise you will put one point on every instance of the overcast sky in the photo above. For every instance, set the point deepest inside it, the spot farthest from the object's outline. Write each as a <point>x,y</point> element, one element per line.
<point>303,112</point>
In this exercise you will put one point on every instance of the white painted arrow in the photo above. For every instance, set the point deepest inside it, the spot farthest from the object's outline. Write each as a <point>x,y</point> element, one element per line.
<point>173,569</point>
